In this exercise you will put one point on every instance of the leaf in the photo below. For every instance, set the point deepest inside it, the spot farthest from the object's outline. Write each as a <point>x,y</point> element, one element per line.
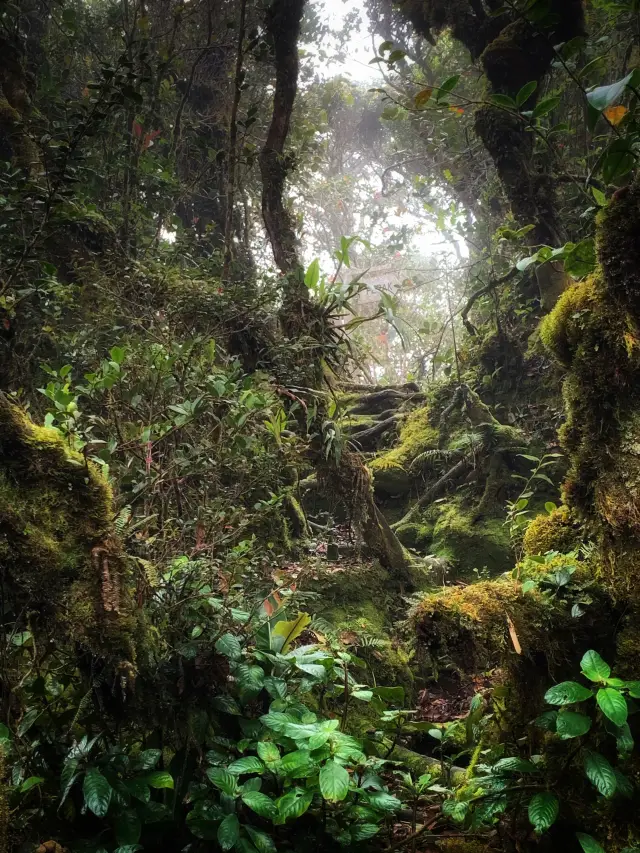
<point>613,705</point>
<point>567,693</point>
<point>423,97</point>
<point>259,803</point>
<point>290,631</point>
<point>149,758</point>
<point>634,689</point>
<point>619,160</point>
<point>312,275</point>
<point>449,84</point>
<point>624,785</point>
<point>614,115</point>
<point>334,782</point>
<point>600,773</point>
<point>514,636</point>
<point>250,764</point>
<point>384,801</point>
<point>570,724</point>
<point>223,780</point>
<point>503,101</point>
<point>550,507</point>
<point>603,96</point>
<point>543,810</point>
<point>546,106</point>
<point>525,93</point>
<point>294,804</point>
<point>268,751</point>
<point>261,841</point>
<point>159,779</point>
<point>624,739</point>
<point>514,764</point>
<point>594,667</point>
<point>228,832</point>
<point>127,827</point>
<point>588,844</point>
<point>229,646</point>
<point>30,783</point>
<point>97,792</point>
<point>581,259</point>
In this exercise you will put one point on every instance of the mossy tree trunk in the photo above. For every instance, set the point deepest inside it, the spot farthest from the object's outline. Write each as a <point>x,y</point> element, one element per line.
<point>594,332</point>
<point>512,52</point>
<point>344,474</point>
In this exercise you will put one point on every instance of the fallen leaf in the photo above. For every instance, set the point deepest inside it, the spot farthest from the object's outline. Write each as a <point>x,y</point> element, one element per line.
<point>513,635</point>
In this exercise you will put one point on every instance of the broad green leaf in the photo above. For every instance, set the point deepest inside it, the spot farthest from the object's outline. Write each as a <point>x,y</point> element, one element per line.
<point>268,751</point>
<point>456,810</point>
<point>525,93</point>
<point>139,789</point>
<point>624,785</point>
<point>543,810</point>
<point>570,724</point>
<point>547,721</point>
<point>624,739</point>
<point>364,831</point>
<point>298,762</point>
<point>149,758</point>
<point>503,101</point>
<point>566,693</point>
<point>312,275</point>
<point>229,646</point>
<point>634,689</point>
<point>223,780</point>
<point>30,783</point>
<point>449,84</point>
<point>600,773</point>
<point>603,96</point>
<point>261,841</point>
<point>290,631</point>
<point>228,832</point>
<point>316,670</point>
<point>594,667</point>
<point>334,782</point>
<point>613,705</point>
<point>383,801</point>
<point>259,803</point>
<point>250,764</point>
<point>159,779</point>
<point>97,792</point>
<point>294,804</point>
<point>514,765</point>
<point>546,106</point>
<point>619,159</point>
<point>588,843</point>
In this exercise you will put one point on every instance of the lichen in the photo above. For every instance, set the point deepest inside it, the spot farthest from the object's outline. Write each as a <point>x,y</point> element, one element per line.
<point>550,532</point>
<point>58,554</point>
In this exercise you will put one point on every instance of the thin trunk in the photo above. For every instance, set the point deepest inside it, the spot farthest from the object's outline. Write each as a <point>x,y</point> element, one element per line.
<point>233,144</point>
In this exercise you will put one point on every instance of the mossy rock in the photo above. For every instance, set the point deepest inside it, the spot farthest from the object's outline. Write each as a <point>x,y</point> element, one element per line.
<point>531,638</point>
<point>58,555</point>
<point>416,536</point>
<point>470,543</point>
<point>551,532</point>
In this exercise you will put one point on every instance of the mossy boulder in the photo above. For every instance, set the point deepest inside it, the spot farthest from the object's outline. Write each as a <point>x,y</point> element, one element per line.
<point>551,532</point>
<point>468,542</point>
<point>416,536</point>
<point>530,637</point>
<point>58,554</point>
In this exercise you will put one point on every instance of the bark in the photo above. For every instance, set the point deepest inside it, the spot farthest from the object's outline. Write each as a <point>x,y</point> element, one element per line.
<point>512,52</point>
<point>283,26</point>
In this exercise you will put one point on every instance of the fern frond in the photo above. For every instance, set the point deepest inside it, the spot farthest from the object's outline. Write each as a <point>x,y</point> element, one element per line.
<point>122,520</point>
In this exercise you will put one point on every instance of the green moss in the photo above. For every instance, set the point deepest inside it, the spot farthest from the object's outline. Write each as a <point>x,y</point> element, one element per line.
<point>469,543</point>
<point>550,532</point>
<point>417,536</point>
<point>392,470</point>
<point>57,551</point>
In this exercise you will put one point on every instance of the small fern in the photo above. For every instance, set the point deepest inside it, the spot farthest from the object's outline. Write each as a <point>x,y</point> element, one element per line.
<point>122,520</point>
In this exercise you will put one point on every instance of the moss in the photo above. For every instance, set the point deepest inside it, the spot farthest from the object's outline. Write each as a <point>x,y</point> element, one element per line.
<point>391,470</point>
<point>57,552</point>
<point>551,532</point>
<point>460,845</point>
<point>470,543</point>
<point>415,536</point>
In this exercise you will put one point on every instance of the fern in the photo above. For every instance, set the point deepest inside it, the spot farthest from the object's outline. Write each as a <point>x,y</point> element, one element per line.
<point>433,455</point>
<point>323,626</point>
<point>122,520</point>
